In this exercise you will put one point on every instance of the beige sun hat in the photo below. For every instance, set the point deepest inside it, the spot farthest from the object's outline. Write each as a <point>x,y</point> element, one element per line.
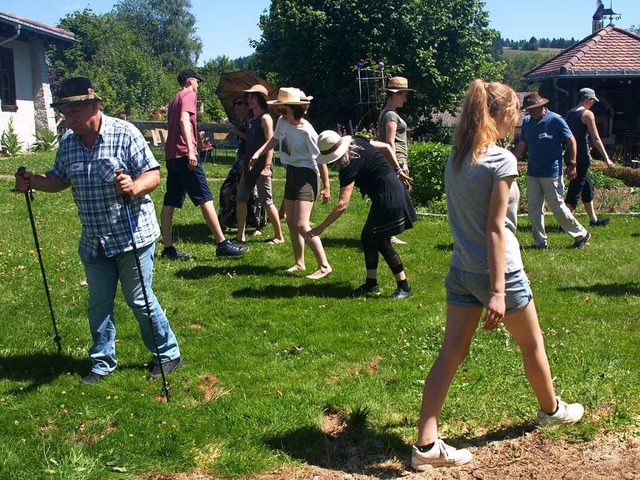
<point>332,146</point>
<point>399,84</point>
<point>290,96</point>
<point>259,89</point>
<point>304,96</point>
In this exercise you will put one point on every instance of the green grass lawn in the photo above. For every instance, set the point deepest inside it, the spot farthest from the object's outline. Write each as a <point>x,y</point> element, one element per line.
<point>269,354</point>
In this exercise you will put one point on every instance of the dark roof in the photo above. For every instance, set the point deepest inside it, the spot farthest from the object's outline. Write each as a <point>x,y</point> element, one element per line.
<point>610,52</point>
<point>27,25</point>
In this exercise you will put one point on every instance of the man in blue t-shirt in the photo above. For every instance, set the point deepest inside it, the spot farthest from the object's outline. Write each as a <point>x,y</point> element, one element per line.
<point>543,132</point>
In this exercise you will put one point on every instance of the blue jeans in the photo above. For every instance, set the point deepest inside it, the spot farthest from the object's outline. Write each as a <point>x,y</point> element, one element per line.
<point>103,274</point>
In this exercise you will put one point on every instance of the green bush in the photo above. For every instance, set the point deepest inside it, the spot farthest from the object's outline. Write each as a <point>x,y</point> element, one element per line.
<point>426,165</point>
<point>46,140</point>
<point>10,144</point>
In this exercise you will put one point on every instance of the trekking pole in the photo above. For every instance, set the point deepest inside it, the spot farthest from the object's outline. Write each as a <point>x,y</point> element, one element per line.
<point>127,209</point>
<point>28,195</point>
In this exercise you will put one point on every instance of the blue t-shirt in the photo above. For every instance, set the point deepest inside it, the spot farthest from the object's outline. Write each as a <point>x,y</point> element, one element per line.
<point>544,139</point>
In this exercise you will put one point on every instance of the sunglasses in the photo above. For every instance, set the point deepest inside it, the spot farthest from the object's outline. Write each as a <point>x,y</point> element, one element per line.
<point>239,102</point>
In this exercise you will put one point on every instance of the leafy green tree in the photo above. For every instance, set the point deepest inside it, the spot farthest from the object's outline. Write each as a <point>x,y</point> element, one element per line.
<point>130,80</point>
<point>518,64</point>
<point>165,28</point>
<point>211,72</point>
<point>315,45</point>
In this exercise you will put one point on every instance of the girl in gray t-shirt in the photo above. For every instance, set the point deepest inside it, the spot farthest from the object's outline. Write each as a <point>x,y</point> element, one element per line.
<point>486,269</point>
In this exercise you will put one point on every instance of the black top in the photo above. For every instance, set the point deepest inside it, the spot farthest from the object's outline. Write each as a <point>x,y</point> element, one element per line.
<point>367,168</point>
<point>581,134</point>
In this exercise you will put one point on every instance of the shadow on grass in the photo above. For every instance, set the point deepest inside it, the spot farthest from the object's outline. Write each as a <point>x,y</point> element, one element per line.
<point>607,289</point>
<point>193,233</point>
<point>350,451</point>
<point>359,450</point>
<point>204,271</point>
<point>38,369</point>
<point>323,290</point>
<point>444,247</point>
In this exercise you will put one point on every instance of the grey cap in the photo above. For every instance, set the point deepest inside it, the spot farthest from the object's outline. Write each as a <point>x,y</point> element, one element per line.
<point>588,93</point>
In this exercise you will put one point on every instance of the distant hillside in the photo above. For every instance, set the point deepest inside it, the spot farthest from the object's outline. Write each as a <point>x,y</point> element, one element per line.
<point>549,52</point>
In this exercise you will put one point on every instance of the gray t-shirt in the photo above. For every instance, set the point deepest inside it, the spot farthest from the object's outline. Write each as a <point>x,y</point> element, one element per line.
<point>468,196</point>
<point>387,116</point>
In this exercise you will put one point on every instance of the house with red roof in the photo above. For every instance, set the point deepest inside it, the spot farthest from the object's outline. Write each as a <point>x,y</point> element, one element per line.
<point>607,61</point>
<point>25,93</point>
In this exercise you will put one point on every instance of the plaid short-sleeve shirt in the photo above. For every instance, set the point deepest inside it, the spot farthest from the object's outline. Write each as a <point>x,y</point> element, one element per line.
<point>91,174</point>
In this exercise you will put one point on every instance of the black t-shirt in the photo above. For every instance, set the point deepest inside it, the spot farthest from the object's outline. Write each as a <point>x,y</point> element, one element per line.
<point>367,168</point>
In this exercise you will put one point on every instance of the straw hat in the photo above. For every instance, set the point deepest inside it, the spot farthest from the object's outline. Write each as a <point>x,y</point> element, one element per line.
<point>399,84</point>
<point>304,96</point>
<point>75,91</point>
<point>332,146</point>
<point>290,96</point>
<point>260,90</point>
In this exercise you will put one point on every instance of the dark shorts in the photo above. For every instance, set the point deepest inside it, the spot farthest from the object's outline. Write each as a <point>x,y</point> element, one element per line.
<point>580,187</point>
<point>467,289</point>
<point>182,181</point>
<point>301,184</point>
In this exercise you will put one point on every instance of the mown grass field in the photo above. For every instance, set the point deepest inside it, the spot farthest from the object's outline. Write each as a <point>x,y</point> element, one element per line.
<point>269,355</point>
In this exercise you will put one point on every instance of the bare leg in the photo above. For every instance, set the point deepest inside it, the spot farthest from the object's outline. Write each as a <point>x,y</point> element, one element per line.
<point>525,329</point>
<point>209,214</point>
<point>274,218</point>
<point>296,239</point>
<point>166,225</point>
<point>590,209</point>
<point>241,220</point>
<point>303,213</point>
<point>461,325</point>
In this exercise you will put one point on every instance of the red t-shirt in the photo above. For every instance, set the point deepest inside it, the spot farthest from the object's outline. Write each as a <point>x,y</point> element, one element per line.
<point>176,146</point>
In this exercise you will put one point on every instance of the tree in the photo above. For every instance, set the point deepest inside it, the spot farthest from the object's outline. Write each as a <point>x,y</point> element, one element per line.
<point>130,80</point>
<point>315,45</point>
<point>517,65</point>
<point>165,28</point>
<point>211,72</point>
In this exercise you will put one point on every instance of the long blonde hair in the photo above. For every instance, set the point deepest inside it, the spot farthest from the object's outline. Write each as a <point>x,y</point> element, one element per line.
<point>485,104</point>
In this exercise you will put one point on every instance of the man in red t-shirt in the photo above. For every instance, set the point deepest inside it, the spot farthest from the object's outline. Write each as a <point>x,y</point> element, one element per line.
<point>185,174</point>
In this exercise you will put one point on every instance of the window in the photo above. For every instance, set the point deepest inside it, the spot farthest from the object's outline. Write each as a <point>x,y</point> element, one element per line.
<point>7,81</point>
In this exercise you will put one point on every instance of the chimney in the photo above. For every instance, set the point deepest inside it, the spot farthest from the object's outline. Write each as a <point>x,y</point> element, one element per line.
<point>598,22</point>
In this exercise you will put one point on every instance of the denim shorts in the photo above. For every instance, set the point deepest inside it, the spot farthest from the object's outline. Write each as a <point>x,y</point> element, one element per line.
<point>466,289</point>
<point>181,181</point>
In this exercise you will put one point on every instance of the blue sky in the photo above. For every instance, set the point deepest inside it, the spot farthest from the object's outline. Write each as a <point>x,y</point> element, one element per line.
<point>225,27</point>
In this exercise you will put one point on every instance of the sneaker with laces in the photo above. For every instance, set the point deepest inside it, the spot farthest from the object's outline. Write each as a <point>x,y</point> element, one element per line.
<point>580,244</point>
<point>366,291</point>
<point>92,378</point>
<point>228,249</point>
<point>601,222</point>
<point>440,455</point>
<point>400,294</point>
<point>567,413</point>
<point>169,367</point>
<point>172,253</point>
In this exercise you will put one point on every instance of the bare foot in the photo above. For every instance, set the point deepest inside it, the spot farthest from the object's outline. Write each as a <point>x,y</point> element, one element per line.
<point>320,273</point>
<point>296,268</point>
<point>256,233</point>
<point>275,241</point>
<point>241,240</point>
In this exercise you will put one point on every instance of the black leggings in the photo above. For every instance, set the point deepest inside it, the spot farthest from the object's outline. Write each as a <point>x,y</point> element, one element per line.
<point>373,245</point>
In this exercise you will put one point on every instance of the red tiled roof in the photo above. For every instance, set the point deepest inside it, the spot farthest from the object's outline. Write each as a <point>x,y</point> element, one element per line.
<point>610,52</point>
<point>37,26</point>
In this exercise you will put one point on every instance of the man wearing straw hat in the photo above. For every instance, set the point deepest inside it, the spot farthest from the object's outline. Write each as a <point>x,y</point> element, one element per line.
<point>89,154</point>
<point>543,132</point>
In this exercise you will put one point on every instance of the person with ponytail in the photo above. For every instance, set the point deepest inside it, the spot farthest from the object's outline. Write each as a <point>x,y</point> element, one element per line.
<point>486,270</point>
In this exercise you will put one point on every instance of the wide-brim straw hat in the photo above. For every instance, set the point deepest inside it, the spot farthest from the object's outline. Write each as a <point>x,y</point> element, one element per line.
<point>332,146</point>
<point>259,89</point>
<point>533,100</point>
<point>75,91</point>
<point>290,96</point>
<point>398,84</point>
<point>304,96</point>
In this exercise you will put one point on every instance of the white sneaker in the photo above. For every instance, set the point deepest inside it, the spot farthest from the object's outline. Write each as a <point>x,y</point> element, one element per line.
<point>396,241</point>
<point>440,455</point>
<point>567,413</point>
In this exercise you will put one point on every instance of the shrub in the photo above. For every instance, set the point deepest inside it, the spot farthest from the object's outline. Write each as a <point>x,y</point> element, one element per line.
<point>46,140</point>
<point>10,144</point>
<point>426,164</point>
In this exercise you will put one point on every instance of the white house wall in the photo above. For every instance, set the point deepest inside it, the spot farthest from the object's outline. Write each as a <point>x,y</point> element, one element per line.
<point>32,92</point>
